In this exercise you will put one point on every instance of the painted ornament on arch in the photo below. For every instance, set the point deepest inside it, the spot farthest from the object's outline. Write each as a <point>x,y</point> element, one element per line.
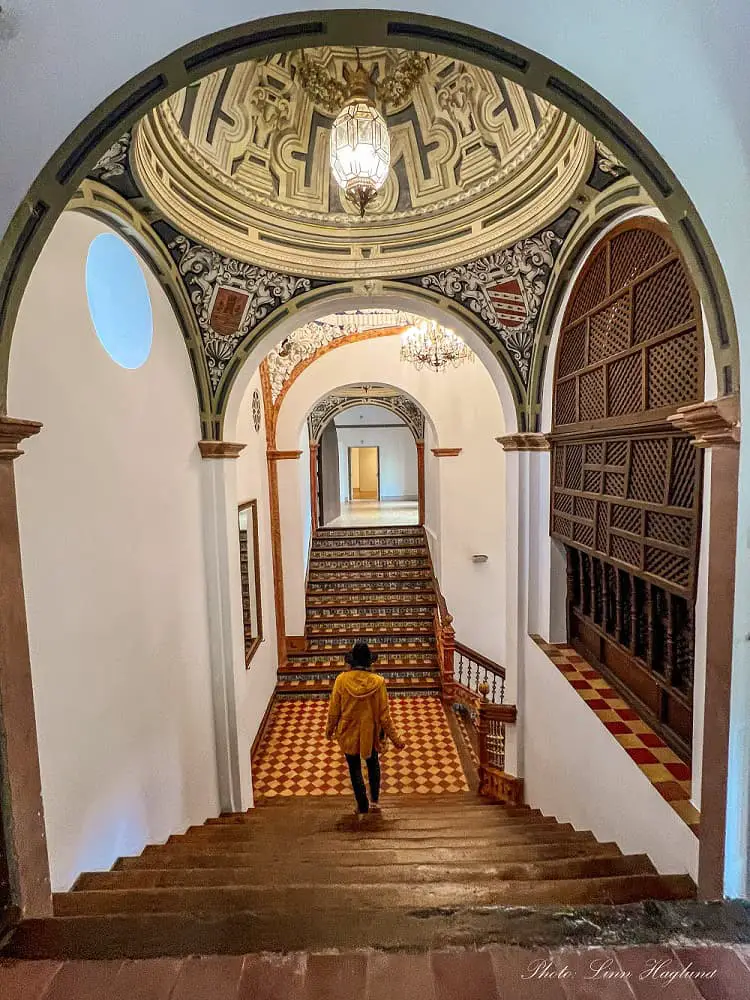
<point>256,410</point>
<point>227,310</point>
<point>508,301</point>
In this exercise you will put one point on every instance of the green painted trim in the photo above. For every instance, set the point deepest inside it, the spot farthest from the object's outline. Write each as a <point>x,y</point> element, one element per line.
<point>57,183</point>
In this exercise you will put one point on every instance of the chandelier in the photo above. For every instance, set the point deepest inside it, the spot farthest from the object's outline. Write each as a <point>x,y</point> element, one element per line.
<point>429,345</point>
<point>360,150</point>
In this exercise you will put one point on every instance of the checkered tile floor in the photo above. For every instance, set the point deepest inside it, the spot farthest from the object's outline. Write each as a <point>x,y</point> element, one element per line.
<point>669,775</point>
<point>296,759</point>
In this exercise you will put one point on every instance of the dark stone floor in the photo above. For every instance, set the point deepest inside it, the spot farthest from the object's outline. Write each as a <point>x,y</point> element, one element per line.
<point>716,972</point>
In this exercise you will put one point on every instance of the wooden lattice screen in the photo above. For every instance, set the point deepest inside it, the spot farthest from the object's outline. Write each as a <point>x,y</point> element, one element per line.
<point>626,490</point>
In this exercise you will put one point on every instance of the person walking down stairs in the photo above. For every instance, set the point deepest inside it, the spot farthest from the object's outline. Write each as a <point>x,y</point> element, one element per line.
<point>359,718</point>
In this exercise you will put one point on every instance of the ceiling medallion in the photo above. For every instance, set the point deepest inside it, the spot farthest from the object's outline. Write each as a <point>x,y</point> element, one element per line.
<point>429,345</point>
<point>360,145</point>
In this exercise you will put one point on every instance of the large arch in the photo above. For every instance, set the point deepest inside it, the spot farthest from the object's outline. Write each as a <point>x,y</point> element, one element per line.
<point>51,190</point>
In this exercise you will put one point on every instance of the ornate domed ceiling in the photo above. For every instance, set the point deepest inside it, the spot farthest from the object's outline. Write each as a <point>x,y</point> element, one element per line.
<point>240,162</point>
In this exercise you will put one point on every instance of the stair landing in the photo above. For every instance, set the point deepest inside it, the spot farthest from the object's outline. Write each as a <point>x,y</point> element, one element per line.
<point>295,759</point>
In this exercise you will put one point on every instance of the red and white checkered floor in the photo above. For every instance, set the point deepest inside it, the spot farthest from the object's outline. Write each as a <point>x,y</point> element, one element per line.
<point>295,758</point>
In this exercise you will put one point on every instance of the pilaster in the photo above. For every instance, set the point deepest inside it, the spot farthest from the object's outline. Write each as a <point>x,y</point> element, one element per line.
<point>20,779</point>
<point>222,557</point>
<point>714,425</point>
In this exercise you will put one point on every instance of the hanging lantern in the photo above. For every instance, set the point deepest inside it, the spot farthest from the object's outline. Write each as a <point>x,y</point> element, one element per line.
<point>360,151</point>
<point>429,345</point>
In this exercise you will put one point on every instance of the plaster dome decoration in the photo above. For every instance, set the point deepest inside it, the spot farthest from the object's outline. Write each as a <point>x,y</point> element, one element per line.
<point>240,161</point>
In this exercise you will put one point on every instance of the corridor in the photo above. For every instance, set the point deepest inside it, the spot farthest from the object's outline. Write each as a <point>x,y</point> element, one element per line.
<point>361,513</point>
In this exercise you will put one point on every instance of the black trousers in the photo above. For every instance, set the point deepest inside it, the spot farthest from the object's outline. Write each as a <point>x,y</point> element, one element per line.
<point>358,782</point>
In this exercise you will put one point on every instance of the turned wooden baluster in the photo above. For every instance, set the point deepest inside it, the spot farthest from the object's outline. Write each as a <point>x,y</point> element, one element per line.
<point>633,616</point>
<point>670,661</point>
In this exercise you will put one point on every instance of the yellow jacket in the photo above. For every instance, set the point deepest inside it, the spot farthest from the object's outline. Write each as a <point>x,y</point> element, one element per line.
<point>358,711</point>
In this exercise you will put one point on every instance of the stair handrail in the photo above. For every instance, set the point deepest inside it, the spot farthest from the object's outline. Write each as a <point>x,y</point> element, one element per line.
<point>445,639</point>
<point>471,670</point>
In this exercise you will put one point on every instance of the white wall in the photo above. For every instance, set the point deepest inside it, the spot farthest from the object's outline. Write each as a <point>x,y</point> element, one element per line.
<point>375,427</point>
<point>463,411</point>
<point>255,685</point>
<point>575,770</point>
<point>110,516</point>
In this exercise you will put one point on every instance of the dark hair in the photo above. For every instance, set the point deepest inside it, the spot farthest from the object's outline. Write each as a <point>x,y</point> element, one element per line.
<point>361,656</point>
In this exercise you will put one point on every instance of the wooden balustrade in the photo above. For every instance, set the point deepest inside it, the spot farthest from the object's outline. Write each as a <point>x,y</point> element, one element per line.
<point>494,781</point>
<point>471,670</point>
<point>475,685</point>
<point>445,639</point>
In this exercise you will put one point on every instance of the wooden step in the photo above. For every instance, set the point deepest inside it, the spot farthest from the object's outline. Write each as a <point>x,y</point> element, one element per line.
<point>412,895</point>
<point>263,818</point>
<point>367,840</point>
<point>602,866</point>
<point>522,851</point>
<point>405,830</point>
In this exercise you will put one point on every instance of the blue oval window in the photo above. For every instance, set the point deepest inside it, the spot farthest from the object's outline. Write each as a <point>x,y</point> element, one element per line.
<point>119,302</point>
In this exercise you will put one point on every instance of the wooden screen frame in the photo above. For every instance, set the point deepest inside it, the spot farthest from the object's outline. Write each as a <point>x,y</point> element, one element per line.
<point>646,529</point>
<point>251,648</point>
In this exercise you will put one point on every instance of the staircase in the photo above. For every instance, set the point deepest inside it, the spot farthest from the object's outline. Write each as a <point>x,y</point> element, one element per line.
<point>301,874</point>
<point>374,584</point>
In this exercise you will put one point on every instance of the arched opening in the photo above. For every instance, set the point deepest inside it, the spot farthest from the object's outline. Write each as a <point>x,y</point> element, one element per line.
<point>626,499</point>
<point>366,464</point>
<point>223,371</point>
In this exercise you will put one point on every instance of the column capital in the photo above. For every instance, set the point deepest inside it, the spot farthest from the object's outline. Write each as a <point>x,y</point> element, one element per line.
<point>713,423</point>
<point>523,442</point>
<point>278,456</point>
<point>446,452</point>
<point>12,432</point>
<point>220,449</point>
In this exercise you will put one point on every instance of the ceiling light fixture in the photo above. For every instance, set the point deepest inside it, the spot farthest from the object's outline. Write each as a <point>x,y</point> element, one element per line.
<point>429,345</point>
<point>360,150</point>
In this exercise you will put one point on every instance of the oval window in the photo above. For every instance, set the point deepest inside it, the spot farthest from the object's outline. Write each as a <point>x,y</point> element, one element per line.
<point>119,302</point>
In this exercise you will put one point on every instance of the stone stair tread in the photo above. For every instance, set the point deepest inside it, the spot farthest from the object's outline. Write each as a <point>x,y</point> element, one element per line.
<point>387,841</point>
<point>266,818</point>
<point>606,889</point>
<point>500,854</point>
<point>405,829</point>
<point>308,875</point>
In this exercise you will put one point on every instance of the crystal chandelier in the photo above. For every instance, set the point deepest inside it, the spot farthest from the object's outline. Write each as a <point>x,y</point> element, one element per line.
<point>429,345</point>
<point>360,150</point>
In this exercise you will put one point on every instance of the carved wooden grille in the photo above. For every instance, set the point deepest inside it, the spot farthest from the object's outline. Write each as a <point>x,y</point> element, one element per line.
<point>626,487</point>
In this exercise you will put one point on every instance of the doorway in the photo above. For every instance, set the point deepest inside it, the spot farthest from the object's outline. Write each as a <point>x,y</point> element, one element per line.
<point>364,473</point>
